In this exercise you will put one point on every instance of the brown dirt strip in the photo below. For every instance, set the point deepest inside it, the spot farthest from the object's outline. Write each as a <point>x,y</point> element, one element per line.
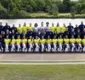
<point>44,56</point>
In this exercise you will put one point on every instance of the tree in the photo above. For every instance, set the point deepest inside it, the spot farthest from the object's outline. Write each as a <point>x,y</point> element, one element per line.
<point>73,11</point>
<point>29,8</point>
<point>67,5</point>
<point>3,12</point>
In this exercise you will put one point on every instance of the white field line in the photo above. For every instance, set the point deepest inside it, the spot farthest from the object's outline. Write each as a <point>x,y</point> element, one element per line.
<point>44,60</point>
<point>65,63</point>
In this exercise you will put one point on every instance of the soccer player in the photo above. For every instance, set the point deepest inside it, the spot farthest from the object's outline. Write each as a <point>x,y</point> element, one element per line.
<point>13,42</point>
<point>36,42</point>
<point>24,28</point>
<point>42,43</point>
<point>19,29</point>
<point>7,42</point>
<point>52,28</point>
<point>18,42</point>
<point>49,42</point>
<point>66,42</point>
<point>72,41</point>
<point>60,44</point>
<point>24,43</point>
<point>30,42</point>
<point>83,41</point>
<point>78,43</point>
<point>54,41</point>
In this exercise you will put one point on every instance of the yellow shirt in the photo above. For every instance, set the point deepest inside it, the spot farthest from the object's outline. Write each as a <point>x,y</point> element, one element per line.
<point>72,40</point>
<point>18,41</point>
<point>78,40</point>
<point>83,41</point>
<point>30,41</point>
<point>13,41</point>
<point>54,40</point>
<point>60,41</point>
<point>42,41</point>
<point>58,29</point>
<point>24,41</point>
<point>36,40</point>
<point>52,28</point>
<point>49,41</point>
<point>7,41</point>
<point>66,40</point>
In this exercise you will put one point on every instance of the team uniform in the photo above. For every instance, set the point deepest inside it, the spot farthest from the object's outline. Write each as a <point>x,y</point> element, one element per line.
<point>79,46</point>
<point>67,47</point>
<point>42,43</point>
<point>57,31</point>
<point>18,43</point>
<point>19,29</point>
<point>13,41</point>
<point>30,42</point>
<point>48,41</point>
<point>24,42</point>
<point>7,41</point>
<point>36,42</point>
<point>54,41</point>
<point>60,45</point>
<point>83,41</point>
<point>72,41</point>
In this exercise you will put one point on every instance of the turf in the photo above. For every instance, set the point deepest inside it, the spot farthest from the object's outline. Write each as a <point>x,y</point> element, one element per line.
<point>52,72</point>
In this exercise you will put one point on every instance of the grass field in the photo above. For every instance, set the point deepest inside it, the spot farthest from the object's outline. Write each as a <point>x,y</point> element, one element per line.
<point>51,72</point>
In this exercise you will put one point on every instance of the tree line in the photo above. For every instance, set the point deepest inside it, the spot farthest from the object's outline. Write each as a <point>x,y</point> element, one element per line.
<point>22,8</point>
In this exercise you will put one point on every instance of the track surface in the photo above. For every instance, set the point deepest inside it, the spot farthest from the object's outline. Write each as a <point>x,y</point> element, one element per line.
<point>41,57</point>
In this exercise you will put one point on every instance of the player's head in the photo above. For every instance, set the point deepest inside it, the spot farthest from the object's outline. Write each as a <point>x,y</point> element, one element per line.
<point>42,37</point>
<point>30,24</point>
<point>52,24</point>
<point>6,24</point>
<point>12,37</point>
<point>24,37</point>
<point>47,24</point>
<point>48,37</point>
<point>36,25</point>
<point>69,24</point>
<point>81,22</point>
<point>41,24</point>
<point>76,25</point>
<point>30,37</point>
<point>7,37</point>
<point>19,25</point>
<point>72,36</point>
<point>54,36</point>
<point>57,24</point>
<point>36,37</point>
<point>0,23</point>
<point>24,24</point>
<point>64,25</point>
<point>66,36</point>
<point>18,37</point>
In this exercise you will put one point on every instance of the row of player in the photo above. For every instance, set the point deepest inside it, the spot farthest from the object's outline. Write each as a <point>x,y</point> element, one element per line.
<point>42,44</point>
<point>42,30</point>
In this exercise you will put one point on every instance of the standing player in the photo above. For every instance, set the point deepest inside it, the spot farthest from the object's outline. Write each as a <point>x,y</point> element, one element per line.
<point>36,42</point>
<point>54,41</point>
<point>60,44</point>
<point>72,41</point>
<point>30,42</point>
<point>7,42</point>
<point>78,43</point>
<point>49,42</point>
<point>13,42</point>
<point>24,43</point>
<point>83,41</point>
<point>42,43</point>
<point>66,42</point>
<point>18,42</point>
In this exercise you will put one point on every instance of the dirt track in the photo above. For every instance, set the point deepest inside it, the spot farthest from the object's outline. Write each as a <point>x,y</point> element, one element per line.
<point>30,56</point>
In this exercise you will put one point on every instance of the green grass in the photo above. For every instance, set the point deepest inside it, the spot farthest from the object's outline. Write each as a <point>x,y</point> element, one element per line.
<point>55,72</point>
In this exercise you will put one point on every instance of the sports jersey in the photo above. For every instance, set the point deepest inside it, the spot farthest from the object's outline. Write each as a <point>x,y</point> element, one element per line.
<point>29,28</point>
<point>42,41</point>
<point>66,40</point>
<point>18,41</point>
<point>58,29</point>
<point>63,29</point>
<point>24,40</point>
<point>19,29</point>
<point>48,41</point>
<point>7,41</point>
<point>52,28</point>
<point>30,41</point>
<point>36,40</point>
<point>72,40</point>
<point>83,41</point>
<point>60,41</point>
<point>24,29</point>
<point>78,40</point>
<point>13,41</point>
<point>54,40</point>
